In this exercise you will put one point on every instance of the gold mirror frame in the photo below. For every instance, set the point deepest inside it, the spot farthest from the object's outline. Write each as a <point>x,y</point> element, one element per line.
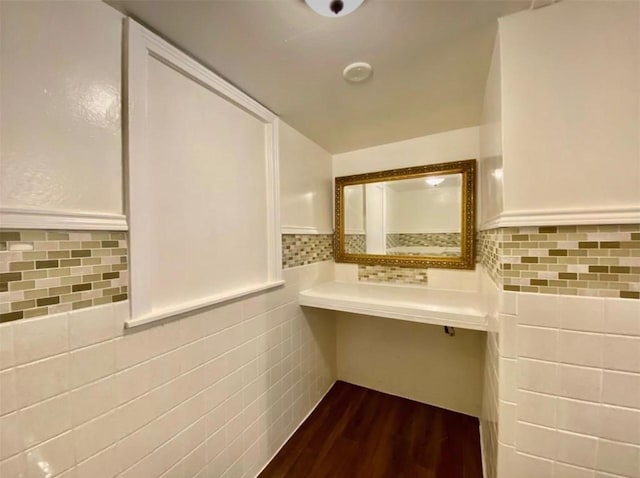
<point>467,258</point>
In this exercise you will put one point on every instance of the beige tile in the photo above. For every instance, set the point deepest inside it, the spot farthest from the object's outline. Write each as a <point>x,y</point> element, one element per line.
<point>8,398</point>
<point>621,388</point>
<point>622,353</point>
<point>37,381</point>
<point>620,424</point>
<point>41,337</point>
<point>91,363</point>
<point>10,435</point>
<point>45,420</point>
<point>94,436</point>
<point>57,454</point>
<point>579,382</point>
<point>618,458</point>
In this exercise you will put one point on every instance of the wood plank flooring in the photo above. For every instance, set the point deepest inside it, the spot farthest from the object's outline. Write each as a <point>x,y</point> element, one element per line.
<point>357,432</point>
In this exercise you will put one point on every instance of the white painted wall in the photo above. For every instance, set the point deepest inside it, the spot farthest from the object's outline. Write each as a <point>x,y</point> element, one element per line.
<point>571,106</point>
<point>415,361</point>
<point>60,98</point>
<point>490,167</point>
<point>306,183</point>
<point>453,145</point>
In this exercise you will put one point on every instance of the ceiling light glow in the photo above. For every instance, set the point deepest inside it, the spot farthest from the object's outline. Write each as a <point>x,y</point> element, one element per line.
<point>434,181</point>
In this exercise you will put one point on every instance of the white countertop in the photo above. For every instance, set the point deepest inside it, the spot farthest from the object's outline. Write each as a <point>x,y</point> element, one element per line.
<point>460,309</point>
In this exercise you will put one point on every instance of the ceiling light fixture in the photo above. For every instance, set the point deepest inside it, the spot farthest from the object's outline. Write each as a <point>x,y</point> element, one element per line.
<point>357,72</point>
<point>333,8</point>
<point>434,181</point>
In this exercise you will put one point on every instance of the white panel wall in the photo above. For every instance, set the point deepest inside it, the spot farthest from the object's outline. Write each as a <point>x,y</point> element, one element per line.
<point>306,183</point>
<point>214,394</point>
<point>208,190</point>
<point>490,167</point>
<point>570,106</point>
<point>569,387</point>
<point>60,96</point>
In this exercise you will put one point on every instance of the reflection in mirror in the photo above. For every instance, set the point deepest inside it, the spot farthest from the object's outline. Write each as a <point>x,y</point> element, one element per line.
<point>419,216</point>
<point>414,216</point>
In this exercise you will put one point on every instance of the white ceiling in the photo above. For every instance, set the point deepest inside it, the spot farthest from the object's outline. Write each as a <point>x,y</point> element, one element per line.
<point>430,61</point>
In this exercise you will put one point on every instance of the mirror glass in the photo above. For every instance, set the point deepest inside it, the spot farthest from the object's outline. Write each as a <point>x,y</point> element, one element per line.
<point>416,217</point>
<point>422,216</point>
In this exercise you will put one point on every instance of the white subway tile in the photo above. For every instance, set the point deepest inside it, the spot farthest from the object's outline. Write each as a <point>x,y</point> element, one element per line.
<point>507,423</point>
<point>100,465</point>
<point>621,388</point>
<point>508,380</point>
<point>509,303</point>
<point>622,316</point>
<point>578,416</point>
<point>580,382</point>
<point>537,408</point>
<point>92,325</point>
<point>10,435</point>
<point>40,380</point>
<point>7,358</point>
<point>528,466</point>
<point>579,348</point>
<point>538,376</point>
<point>51,458</point>
<point>538,309</point>
<point>620,424</point>
<point>45,420</point>
<point>622,353</point>
<point>8,399</point>
<point>35,339</point>
<point>577,449</point>
<point>92,400</point>
<point>93,436</point>
<point>93,362</point>
<point>537,342</point>
<point>536,440</point>
<point>562,470</point>
<point>508,336</point>
<point>619,458</point>
<point>581,313</point>
<point>14,466</point>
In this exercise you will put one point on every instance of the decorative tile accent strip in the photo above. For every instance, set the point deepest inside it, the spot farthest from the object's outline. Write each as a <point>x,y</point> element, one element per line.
<point>602,261</point>
<point>355,243</point>
<point>397,275</point>
<point>423,239</point>
<point>46,272</point>
<point>301,249</point>
<point>488,244</point>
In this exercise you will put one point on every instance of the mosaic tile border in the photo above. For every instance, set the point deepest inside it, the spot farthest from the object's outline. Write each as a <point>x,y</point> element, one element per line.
<point>303,249</point>
<point>441,239</point>
<point>47,272</point>
<point>593,260</point>
<point>395,275</point>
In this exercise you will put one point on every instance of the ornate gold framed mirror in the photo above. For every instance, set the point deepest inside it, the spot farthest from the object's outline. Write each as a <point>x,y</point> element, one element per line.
<point>422,216</point>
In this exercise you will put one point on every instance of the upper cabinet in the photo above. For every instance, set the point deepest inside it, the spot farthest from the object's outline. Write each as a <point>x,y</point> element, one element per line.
<point>61,125</point>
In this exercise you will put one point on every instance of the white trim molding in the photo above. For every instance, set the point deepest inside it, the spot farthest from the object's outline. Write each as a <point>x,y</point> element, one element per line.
<point>196,305</point>
<point>302,230</point>
<point>565,217</point>
<point>142,47</point>
<point>19,218</point>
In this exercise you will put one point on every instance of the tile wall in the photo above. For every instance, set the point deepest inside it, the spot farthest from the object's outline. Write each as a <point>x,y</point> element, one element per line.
<point>47,272</point>
<point>302,249</point>
<point>392,274</point>
<point>424,239</point>
<point>566,362</point>
<point>214,394</point>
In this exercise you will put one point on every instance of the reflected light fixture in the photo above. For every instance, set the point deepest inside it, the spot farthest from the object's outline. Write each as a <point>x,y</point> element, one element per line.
<point>333,8</point>
<point>434,181</point>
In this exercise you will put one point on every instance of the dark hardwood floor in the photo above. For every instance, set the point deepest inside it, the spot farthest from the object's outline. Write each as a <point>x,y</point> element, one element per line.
<point>357,432</point>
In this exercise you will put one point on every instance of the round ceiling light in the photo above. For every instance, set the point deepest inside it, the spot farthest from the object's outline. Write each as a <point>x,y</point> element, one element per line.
<point>333,8</point>
<point>357,72</point>
<point>434,181</point>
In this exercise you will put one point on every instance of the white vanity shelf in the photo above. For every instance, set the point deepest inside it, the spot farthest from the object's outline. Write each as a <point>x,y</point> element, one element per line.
<point>464,310</point>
